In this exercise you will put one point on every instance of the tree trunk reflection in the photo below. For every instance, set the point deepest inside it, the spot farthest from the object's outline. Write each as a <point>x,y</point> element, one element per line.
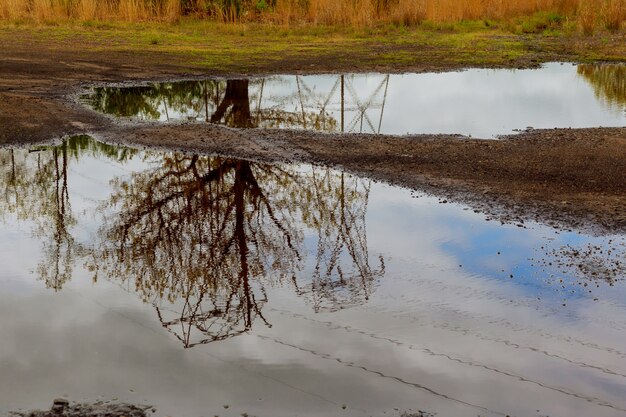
<point>202,238</point>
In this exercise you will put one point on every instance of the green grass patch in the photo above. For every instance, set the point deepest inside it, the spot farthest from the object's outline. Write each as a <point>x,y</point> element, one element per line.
<point>256,47</point>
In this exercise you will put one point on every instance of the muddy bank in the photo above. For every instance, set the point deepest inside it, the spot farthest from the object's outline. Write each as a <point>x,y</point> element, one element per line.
<point>568,178</point>
<point>64,408</point>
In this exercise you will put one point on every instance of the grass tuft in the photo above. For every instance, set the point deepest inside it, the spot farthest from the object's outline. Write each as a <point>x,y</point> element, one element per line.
<point>613,14</point>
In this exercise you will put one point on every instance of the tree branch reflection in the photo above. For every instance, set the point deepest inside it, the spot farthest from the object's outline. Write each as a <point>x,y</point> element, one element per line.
<point>201,230</point>
<point>342,274</point>
<point>36,189</point>
<point>240,103</point>
<point>201,239</point>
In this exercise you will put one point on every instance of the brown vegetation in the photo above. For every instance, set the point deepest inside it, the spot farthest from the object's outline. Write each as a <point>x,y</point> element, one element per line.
<point>586,13</point>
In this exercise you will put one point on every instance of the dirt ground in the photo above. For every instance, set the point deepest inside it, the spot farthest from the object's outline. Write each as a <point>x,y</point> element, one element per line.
<point>569,178</point>
<point>63,408</point>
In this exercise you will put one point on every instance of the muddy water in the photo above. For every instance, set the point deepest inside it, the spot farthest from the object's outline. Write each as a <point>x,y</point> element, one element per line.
<point>478,103</point>
<point>208,286</point>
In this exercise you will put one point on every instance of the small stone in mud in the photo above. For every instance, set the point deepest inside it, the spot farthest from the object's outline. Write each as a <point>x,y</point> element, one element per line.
<point>59,404</point>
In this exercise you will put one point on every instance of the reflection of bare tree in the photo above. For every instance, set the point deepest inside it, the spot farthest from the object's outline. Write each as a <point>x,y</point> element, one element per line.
<point>608,82</point>
<point>273,102</point>
<point>201,232</point>
<point>15,172</point>
<point>56,269</point>
<point>342,275</point>
<point>36,189</point>
<point>201,238</point>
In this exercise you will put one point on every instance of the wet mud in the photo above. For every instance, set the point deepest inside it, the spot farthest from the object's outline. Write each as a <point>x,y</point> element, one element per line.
<point>546,176</point>
<point>63,408</point>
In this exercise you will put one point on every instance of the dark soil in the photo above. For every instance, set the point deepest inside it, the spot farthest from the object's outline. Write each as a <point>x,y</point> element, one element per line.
<point>572,179</point>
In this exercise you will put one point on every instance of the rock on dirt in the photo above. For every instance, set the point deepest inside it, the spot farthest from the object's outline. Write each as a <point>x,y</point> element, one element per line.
<point>62,408</point>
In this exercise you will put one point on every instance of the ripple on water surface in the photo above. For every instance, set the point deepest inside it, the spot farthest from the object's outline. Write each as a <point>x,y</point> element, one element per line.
<point>215,286</point>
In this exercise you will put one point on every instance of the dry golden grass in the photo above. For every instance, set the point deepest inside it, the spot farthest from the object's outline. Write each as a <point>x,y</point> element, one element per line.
<point>356,12</point>
<point>454,10</point>
<point>87,10</point>
<point>613,14</point>
<point>172,10</point>
<point>587,18</point>
<point>12,9</point>
<point>408,12</point>
<point>588,14</point>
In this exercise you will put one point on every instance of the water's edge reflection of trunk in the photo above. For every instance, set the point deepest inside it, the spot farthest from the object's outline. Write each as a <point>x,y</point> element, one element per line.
<point>202,238</point>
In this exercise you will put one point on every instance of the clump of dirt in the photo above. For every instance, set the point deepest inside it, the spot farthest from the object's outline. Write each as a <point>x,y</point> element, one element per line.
<point>417,414</point>
<point>592,262</point>
<point>62,408</point>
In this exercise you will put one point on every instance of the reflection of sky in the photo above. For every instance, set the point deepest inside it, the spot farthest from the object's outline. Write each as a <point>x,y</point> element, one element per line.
<point>99,339</point>
<point>463,238</point>
<point>477,102</point>
<point>412,230</point>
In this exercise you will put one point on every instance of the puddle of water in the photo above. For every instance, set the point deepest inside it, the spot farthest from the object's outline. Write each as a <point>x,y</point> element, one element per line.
<point>479,103</point>
<point>211,286</point>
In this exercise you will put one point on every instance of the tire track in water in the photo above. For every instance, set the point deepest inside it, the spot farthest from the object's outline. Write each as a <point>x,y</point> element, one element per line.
<point>481,336</point>
<point>430,352</point>
<point>379,374</point>
<point>232,363</point>
<point>458,289</point>
<point>477,294</point>
<point>511,326</point>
